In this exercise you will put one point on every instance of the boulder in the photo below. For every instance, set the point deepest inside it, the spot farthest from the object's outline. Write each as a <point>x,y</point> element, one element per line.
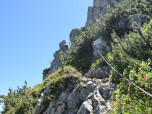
<point>98,72</point>
<point>91,73</point>
<point>63,46</point>
<point>73,33</point>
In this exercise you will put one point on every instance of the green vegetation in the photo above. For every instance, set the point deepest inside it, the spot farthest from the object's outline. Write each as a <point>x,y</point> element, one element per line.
<point>80,55</point>
<point>45,71</point>
<point>82,85</point>
<point>54,106</point>
<point>60,103</point>
<point>25,99</point>
<point>98,61</point>
<point>131,56</point>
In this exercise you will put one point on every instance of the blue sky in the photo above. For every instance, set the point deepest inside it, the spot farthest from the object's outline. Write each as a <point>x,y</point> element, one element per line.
<point>30,32</point>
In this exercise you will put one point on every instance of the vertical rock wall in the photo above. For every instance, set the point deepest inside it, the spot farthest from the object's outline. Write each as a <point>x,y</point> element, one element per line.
<point>99,7</point>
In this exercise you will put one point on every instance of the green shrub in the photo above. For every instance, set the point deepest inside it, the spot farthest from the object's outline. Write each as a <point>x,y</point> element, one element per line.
<point>129,99</point>
<point>24,100</point>
<point>131,57</point>
<point>46,70</point>
<point>82,85</point>
<point>80,55</point>
<point>79,80</point>
<point>60,103</point>
<point>54,106</point>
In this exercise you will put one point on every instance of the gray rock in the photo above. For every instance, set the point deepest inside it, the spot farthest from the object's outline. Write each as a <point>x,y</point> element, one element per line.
<point>71,86</point>
<point>63,46</point>
<point>101,89</point>
<point>49,109</point>
<point>91,73</point>
<point>38,106</point>
<point>59,109</point>
<point>63,97</point>
<point>92,99</point>
<point>100,7</point>
<point>47,90</point>
<point>100,109</point>
<point>56,63</point>
<point>73,101</point>
<point>90,87</point>
<point>73,33</point>
<point>82,94</point>
<point>86,108</point>
<point>98,72</point>
<point>79,100</point>
<point>95,101</point>
<point>105,93</point>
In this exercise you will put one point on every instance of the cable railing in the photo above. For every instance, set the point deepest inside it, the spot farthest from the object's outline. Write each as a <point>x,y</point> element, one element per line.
<point>122,75</point>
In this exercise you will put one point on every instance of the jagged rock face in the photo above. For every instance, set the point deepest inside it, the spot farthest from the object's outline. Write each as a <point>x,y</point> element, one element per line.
<point>63,46</point>
<point>98,72</point>
<point>72,35</point>
<point>92,99</point>
<point>56,63</point>
<point>90,96</point>
<point>99,7</point>
<point>38,106</point>
<point>92,13</point>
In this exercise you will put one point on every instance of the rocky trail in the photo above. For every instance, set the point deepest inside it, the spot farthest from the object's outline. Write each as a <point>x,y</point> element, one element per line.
<point>90,96</point>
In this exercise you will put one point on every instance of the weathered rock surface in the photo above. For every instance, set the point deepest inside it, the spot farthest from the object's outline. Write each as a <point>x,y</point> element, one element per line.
<point>94,98</point>
<point>73,33</point>
<point>99,7</point>
<point>56,63</point>
<point>98,72</point>
<point>38,106</point>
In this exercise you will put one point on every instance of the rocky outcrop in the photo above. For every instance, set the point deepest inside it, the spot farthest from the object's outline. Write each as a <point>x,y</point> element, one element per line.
<point>75,32</point>
<point>93,13</point>
<point>38,106</point>
<point>90,96</point>
<point>56,63</point>
<point>98,72</point>
<point>99,7</point>
<point>101,47</point>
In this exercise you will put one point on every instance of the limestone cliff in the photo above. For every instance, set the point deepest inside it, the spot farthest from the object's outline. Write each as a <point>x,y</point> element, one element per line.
<point>66,90</point>
<point>99,7</point>
<point>93,94</point>
<point>55,63</point>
